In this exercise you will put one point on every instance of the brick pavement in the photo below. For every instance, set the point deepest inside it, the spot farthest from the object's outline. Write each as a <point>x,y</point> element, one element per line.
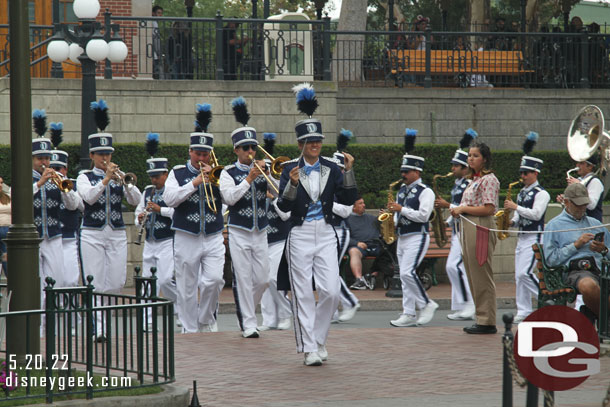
<point>423,366</point>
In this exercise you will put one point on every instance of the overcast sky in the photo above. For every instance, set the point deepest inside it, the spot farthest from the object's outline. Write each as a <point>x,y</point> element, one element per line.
<point>335,13</point>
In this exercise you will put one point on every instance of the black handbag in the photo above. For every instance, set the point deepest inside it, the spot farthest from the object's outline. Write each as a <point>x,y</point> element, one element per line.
<point>584,263</point>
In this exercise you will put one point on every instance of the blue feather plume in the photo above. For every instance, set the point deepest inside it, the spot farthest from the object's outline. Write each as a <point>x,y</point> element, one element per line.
<point>203,117</point>
<point>344,137</point>
<point>39,116</point>
<point>410,135</point>
<point>307,102</point>
<point>240,110</point>
<point>531,139</point>
<point>152,143</point>
<point>56,133</point>
<point>469,135</point>
<point>269,142</point>
<point>100,114</point>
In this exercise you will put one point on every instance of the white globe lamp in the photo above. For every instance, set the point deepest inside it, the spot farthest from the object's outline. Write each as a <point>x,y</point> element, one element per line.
<point>75,51</point>
<point>97,49</point>
<point>86,8</point>
<point>58,50</point>
<point>117,51</point>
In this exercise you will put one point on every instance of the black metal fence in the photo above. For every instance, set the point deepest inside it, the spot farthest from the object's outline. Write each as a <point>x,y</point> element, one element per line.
<point>122,341</point>
<point>297,50</point>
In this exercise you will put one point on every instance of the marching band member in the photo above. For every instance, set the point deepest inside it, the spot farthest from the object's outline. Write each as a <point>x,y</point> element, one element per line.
<point>461,298</point>
<point>529,211</point>
<point>198,243</point>
<point>103,235</point>
<point>244,191</point>
<point>413,208</point>
<point>308,186</point>
<point>594,185</point>
<point>479,204</point>
<point>275,307</point>
<point>47,200</point>
<point>155,217</point>
<point>70,219</point>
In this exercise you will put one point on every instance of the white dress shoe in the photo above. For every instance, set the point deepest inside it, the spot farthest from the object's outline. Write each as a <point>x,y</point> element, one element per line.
<point>284,324</point>
<point>467,313</point>
<point>426,314</point>
<point>312,359</point>
<point>250,333</point>
<point>348,313</point>
<point>322,352</point>
<point>404,320</point>
<point>264,328</point>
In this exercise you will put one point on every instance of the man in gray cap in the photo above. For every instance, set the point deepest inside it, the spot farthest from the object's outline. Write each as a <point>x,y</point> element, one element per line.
<point>580,250</point>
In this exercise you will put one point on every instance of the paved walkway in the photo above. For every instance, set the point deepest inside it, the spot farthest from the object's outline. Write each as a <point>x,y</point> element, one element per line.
<point>429,366</point>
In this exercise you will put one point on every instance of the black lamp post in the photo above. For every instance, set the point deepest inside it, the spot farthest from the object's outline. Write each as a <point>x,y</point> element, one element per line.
<point>87,47</point>
<point>523,4</point>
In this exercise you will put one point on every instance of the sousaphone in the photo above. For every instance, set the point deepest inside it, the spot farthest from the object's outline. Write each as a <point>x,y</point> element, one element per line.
<point>587,137</point>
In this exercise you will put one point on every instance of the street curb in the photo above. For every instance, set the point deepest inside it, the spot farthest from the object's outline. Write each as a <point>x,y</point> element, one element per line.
<point>388,304</point>
<point>171,396</point>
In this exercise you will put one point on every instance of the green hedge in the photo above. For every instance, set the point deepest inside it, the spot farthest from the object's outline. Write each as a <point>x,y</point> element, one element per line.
<point>376,165</point>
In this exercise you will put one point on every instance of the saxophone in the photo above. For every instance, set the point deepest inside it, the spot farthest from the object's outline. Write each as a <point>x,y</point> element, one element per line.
<point>503,216</point>
<point>438,222</point>
<point>388,229</point>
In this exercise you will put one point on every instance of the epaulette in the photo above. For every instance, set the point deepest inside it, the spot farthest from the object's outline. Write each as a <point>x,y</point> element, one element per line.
<point>177,167</point>
<point>228,167</point>
<point>294,160</point>
<point>148,186</point>
<point>84,171</point>
<point>327,158</point>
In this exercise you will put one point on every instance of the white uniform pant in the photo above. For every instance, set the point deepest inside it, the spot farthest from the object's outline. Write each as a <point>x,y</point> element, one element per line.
<point>250,262</point>
<point>274,304</point>
<point>50,264</point>
<point>104,255</point>
<point>525,273</point>
<point>160,254</point>
<point>192,254</point>
<point>71,262</point>
<point>410,251</point>
<point>312,255</point>
<point>456,271</point>
<point>346,297</point>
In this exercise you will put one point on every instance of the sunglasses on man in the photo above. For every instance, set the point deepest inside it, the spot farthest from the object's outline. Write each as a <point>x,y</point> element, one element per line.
<point>249,147</point>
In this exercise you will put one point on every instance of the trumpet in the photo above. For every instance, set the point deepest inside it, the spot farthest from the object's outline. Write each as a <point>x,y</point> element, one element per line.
<point>64,184</point>
<point>123,178</point>
<point>209,196</point>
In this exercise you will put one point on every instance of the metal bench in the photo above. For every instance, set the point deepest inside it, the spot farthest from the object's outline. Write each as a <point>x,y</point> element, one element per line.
<point>552,290</point>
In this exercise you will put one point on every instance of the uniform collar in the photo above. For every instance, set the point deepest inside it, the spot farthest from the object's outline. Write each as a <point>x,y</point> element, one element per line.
<point>459,181</point>
<point>530,187</point>
<point>98,171</point>
<point>244,167</point>
<point>191,168</point>
<point>589,175</point>
<point>36,173</point>
<point>417,181</point>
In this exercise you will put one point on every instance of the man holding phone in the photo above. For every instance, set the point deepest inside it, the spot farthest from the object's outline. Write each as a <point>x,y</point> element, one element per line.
<point>581,251</point>
<point>529,211</point>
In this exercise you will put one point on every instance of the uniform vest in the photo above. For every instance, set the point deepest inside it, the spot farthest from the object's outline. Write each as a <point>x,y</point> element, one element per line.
<point>278,229</point>
<point>250,212</point>
<point>189,214</point>
<point>157,227</point>
<point>526,200</point>
<point>409,197</point>
<point>107,209</point>
<point>46,208</point>
<point>456,198</point>
<point>70,220</point>
<point>596,212</point>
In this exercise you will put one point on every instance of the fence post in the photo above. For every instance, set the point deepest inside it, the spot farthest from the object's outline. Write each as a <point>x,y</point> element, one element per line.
<point>584,58</point>
<point>220,74</point>
<point>139,324</point>
<point>50,333</point>
<point>604,285</point>
<point>155,334</point>
<point>507,377</point>
<point>89,337</point>
<point>326,48</point>
<point>428,78</point>
<point>531,398</point>
<point>107,36</point>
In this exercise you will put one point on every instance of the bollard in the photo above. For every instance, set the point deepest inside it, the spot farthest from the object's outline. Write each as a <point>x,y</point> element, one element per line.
<point>194,399</point>
<point>507,378</point>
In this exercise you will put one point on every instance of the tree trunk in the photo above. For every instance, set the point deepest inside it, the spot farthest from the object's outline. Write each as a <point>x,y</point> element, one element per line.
<point>480,11</point>
<point>347,58</point>
<point>531,15</point>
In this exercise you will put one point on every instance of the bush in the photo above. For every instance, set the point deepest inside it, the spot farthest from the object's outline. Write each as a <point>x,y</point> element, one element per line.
<point>376,165</point>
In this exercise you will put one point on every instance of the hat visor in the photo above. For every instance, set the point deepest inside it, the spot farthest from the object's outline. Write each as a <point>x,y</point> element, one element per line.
<point>102,150</point>
<point>457,162</point>
<point>311,137</point>
<point>246,142</point>
<point>524,168</point>
<point>156,171</point>
<point>42,153</point>
<point>200,147</point>
<point>581,200</point>
<point>58,164</point>
<point>407,168</point>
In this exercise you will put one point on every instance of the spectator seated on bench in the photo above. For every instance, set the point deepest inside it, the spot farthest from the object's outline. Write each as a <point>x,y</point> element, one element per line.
<point>364,241</point>
<point>580,252</point>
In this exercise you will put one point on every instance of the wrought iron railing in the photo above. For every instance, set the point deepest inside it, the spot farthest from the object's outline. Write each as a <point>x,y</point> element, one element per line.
<point>127,339</point>
<point>39,62</point>
<point>604,312</point>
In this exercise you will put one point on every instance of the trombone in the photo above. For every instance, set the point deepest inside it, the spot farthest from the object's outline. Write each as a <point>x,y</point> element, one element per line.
<point>214,174</point>
<point>64,184</point>
<point>209,196</point>
<point>269,182</point>
<point>277,164</point>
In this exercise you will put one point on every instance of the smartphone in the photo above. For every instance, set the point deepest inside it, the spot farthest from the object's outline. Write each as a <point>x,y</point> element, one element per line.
<point>599,236</point>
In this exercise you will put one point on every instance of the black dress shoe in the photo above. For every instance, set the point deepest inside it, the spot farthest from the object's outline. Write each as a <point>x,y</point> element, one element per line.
<point>480,329</point>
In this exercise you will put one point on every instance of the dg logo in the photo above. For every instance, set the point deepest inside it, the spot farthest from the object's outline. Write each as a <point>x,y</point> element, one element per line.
<point>151,166</point>
<point>54,157</point>
<point>103,141</point>
<point>248,134</point>
<point>522,162</point>
<point>43,145</point>
<point>203,140</point>
<point>311,128</point>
